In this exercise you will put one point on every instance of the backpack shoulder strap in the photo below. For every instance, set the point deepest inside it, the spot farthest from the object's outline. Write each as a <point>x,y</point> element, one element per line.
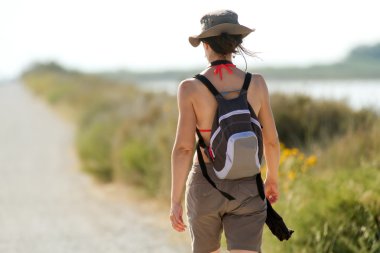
<point>208,84</point>
<point>201,142</point>
<point>247,81</point>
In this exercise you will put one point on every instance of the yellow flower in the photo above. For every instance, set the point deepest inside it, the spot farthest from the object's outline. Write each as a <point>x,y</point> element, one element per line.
<point>292,175</point>
<point>311,160</point>
<point>294,151</point>
<point>286,153</point>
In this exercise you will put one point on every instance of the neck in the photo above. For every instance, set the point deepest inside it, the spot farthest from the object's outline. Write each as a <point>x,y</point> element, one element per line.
<point>221,62</point>
<point>219,57</point>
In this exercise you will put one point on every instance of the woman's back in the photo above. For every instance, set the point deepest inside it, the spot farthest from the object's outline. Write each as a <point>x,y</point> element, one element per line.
<point>204,102</point>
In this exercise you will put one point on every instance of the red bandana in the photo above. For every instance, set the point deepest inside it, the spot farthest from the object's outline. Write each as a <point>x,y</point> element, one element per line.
<point>220,65</point>
<point>218,69</point>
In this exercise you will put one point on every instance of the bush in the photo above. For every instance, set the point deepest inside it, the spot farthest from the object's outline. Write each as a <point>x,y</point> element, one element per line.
<point>304,122</point>
<point>351,220</point>
<point>356,149</point>
<point>337,213</point>
<point>94,146</point>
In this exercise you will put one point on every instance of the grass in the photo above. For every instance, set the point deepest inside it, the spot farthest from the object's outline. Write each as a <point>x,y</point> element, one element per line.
<point>303,121</point>
<point>331,212</point>
<point>329,169</point>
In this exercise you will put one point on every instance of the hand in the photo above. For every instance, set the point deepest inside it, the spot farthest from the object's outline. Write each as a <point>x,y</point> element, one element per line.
<point>271,190</point>
<point>176,217</point>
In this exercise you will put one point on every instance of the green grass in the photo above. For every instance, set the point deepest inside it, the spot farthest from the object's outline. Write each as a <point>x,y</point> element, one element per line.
<point>331,212</point>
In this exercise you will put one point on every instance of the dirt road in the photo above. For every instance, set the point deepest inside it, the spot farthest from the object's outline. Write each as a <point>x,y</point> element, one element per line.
<point>48,206</point>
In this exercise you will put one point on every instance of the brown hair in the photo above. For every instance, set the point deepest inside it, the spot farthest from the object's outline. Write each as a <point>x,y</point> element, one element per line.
<point>227,44</point>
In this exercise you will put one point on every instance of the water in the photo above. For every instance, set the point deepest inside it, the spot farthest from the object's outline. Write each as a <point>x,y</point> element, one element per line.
<point>357,93</point>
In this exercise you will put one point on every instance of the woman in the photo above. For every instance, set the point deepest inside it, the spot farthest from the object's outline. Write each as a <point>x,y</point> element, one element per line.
<point>208,211</point>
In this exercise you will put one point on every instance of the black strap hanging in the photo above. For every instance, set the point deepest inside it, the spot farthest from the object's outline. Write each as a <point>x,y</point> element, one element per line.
<point>201,142</point>
<point>206,175</point>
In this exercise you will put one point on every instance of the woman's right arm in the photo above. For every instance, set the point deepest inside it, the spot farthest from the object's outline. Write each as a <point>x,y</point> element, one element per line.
<point>182,152</point>
<point>270,141</point>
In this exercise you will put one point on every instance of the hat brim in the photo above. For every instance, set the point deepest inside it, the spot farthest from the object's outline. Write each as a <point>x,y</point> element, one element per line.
<point>219,29</point>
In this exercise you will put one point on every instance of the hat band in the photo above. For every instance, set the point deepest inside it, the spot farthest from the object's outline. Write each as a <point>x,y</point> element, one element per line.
<point>208,23</point>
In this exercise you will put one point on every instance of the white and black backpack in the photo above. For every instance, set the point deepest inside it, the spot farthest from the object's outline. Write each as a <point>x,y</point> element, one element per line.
<point>236,146</point>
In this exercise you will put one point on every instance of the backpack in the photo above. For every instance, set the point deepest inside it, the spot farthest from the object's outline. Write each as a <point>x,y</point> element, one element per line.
<point>236,145</point>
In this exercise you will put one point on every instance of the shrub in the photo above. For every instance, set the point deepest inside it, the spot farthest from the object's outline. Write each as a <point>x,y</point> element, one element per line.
<point>356,149</point>
<point>337,212</point>
<point>304,122</point>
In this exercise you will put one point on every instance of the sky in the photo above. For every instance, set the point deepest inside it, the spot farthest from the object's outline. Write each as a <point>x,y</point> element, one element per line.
<point>106,35</point>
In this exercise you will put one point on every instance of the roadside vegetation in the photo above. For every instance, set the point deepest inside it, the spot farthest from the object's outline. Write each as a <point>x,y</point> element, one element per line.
<point>329,164</point>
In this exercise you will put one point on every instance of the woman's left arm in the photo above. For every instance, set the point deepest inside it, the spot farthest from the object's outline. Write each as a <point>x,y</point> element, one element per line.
<point>182,152</point>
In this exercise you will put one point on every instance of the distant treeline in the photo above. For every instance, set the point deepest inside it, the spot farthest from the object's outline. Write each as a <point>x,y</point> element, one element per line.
<point>363,62</point>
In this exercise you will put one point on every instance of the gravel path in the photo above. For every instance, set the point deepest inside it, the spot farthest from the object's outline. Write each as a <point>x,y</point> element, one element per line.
<point>48,206</point>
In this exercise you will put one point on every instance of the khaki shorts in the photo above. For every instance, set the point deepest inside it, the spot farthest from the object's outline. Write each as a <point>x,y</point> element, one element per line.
<point>209,212</point>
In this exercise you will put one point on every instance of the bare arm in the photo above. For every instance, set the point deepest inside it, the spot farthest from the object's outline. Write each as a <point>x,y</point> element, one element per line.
<point>182,152</point>
<point>271,142</point>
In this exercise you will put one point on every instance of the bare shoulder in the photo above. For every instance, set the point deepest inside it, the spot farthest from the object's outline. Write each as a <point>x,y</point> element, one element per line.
<point>260,85</point>
<point>259,81</point>
<point>188,87</point>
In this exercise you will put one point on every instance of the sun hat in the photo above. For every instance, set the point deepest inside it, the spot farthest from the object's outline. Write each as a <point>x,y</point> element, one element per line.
<point>218,22</point>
